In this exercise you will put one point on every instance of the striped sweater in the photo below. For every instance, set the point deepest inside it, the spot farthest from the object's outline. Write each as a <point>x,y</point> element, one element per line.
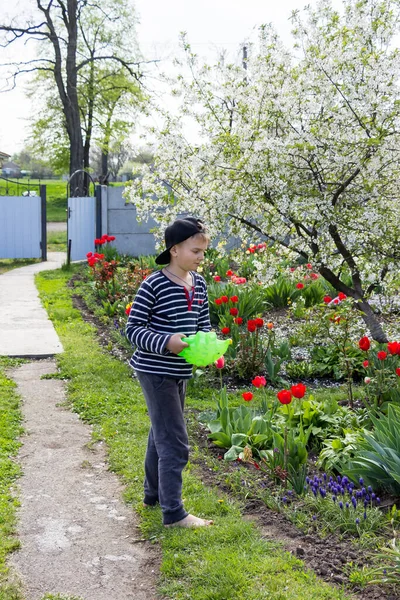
<point>161,308</point>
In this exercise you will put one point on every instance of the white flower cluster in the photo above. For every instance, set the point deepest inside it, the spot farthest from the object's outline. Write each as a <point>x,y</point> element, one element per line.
<point>302,148</point>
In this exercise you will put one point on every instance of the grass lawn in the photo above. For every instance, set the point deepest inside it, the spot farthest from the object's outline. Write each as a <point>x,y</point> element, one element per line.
<point>228,561</point>
<point>57,241</point>
<point>56,210</point>
<point>7,264</point>
<point>10,430</point>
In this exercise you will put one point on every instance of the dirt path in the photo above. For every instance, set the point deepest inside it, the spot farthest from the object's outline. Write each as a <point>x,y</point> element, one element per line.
<point>77,535</point>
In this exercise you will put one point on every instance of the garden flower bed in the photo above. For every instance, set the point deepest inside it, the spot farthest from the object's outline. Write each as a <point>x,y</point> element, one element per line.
<point>284,441</point>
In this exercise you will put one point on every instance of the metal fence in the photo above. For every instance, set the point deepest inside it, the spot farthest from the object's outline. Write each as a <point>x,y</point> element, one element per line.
<point>22,220</point>
<point>18,187</point>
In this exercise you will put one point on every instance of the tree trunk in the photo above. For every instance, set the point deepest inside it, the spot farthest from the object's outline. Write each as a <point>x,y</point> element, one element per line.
<point>372,322</point>
<point>104,166</point>
<point>89,130</point>
<point>68,92</point>
<point>368,314</point>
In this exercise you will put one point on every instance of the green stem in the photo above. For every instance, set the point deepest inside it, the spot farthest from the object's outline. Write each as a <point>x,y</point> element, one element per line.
<point>285,454</point>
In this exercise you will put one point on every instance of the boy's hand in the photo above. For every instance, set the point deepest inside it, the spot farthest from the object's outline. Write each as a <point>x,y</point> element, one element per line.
<point>175,343</point>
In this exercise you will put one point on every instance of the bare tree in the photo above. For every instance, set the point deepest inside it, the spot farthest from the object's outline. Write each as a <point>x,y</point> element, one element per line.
<point>63,31</point>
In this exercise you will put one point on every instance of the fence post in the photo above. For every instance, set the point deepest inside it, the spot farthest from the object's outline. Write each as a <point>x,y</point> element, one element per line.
<point>98,211</point>
<point>43,243</point>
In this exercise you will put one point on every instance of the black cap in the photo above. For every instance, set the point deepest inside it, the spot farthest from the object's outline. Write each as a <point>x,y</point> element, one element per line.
<point>178,232</point>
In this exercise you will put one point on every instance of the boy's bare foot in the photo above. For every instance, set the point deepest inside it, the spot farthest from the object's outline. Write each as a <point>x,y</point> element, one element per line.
<point>191,521</point>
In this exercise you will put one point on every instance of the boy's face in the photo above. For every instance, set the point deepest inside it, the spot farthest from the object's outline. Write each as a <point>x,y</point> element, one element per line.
<point>188,255</point>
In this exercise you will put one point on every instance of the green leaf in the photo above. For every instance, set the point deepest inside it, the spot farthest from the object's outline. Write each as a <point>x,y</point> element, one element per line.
<point>233,453</point>
<point>239,439</point>
<point>220,439</point>
<point>214,426</point>
<point>259,440</point>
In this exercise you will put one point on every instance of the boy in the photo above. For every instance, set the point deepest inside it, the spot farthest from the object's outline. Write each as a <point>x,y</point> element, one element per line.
<point>169,305</point>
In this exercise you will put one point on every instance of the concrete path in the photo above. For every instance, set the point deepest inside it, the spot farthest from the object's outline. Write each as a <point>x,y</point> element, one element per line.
<point>78,538</point>
<point>25,329</point>
<point>56,226</point>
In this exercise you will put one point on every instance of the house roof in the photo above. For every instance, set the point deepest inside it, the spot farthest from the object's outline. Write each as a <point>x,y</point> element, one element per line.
<point>11,165</point>
<point>4,155</point>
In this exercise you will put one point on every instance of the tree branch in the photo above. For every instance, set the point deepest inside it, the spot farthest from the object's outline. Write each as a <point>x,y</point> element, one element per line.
<point>124,63</point>
<point>19,32</point>
<point>268,236</point>
<point>348,257</point>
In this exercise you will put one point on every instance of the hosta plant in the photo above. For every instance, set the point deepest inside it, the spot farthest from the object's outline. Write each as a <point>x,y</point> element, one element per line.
<point>234,428</point>
<point>338,450</point>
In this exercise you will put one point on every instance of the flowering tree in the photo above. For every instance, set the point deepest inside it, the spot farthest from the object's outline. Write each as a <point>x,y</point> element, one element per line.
<point>302,148</point>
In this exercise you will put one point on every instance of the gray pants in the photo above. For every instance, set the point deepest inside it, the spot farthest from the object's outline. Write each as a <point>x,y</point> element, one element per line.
<point>167,448</point>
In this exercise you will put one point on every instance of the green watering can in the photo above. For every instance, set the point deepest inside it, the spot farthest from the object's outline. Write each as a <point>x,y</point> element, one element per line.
<point>204,348</point>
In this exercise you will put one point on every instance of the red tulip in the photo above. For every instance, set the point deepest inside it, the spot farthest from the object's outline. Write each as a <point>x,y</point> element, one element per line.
<point>298,390</point>
<point>229,273</point>
<point>299,286</point>
<point>327,299</point>
<point>259,381</point>
<point>251,325</point>
<point>225,330</point>
<point>393,347</point>
<point>217,278</point>
<point>224,299</point>
<point>247,396</point>
<point>284,396</point>
<point>234,312</point>
<point>234,299</point>
<point>238,320</point>
<point>382,355</point>
<point>259,322</point>
<point>365,364</point>
<point>398,371</point>
<point>218,301</point>
<point>364,344</point>
<point>309,266</point>
<point>342,296</point>
<point>220,363</point>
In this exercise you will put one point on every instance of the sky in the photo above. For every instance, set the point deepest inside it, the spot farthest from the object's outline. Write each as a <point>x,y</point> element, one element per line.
<point>211,25</point>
